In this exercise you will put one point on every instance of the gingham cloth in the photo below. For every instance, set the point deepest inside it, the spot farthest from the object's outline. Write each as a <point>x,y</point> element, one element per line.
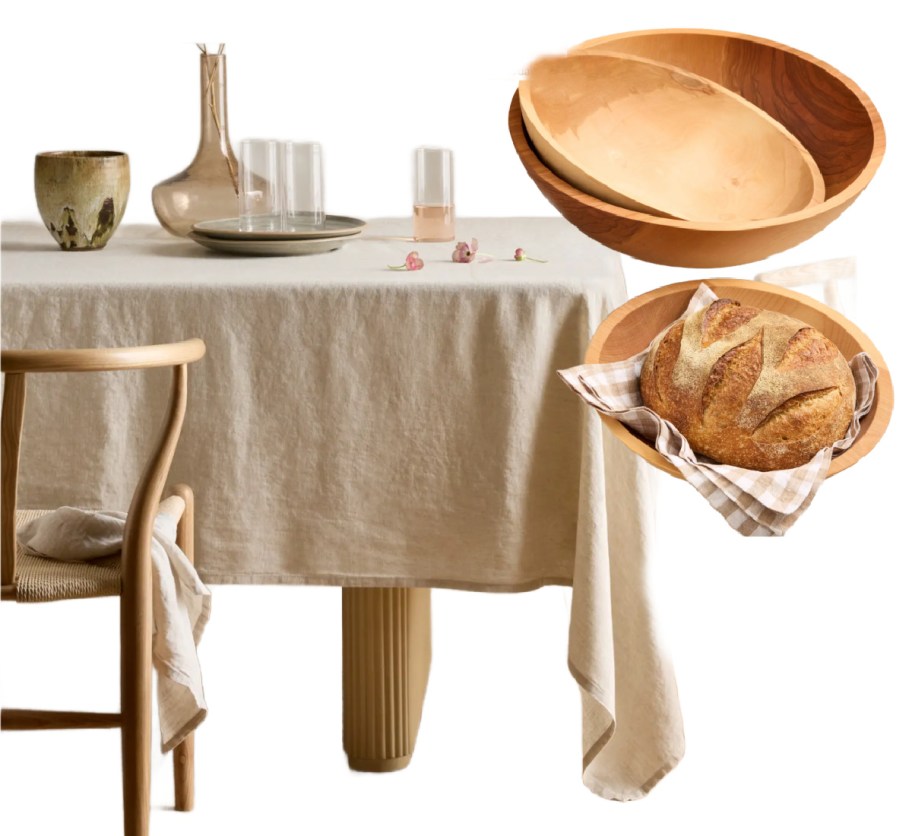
<point>754,503</point>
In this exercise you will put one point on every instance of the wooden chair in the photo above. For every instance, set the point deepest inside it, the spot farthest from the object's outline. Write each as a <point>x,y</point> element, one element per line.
<point>132,578</point>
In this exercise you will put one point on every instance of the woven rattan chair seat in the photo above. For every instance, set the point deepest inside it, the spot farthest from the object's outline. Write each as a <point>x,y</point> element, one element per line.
<point>39,579</point>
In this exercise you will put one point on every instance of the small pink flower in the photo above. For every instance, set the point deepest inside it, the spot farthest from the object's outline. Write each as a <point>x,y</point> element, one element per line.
<point>464,253</point>
<point>520,255</point>
<point>412,262</point>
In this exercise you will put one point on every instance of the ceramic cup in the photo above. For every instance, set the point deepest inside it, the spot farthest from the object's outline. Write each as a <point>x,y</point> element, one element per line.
<point>82,195</point>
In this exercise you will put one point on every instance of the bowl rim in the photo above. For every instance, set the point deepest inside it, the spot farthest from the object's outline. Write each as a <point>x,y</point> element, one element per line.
<point>874,424</point>
<point>79,155</point>
<point>846,196</point>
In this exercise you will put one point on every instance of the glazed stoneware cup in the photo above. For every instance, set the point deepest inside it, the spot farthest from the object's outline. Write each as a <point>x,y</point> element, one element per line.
<point>82,195</point>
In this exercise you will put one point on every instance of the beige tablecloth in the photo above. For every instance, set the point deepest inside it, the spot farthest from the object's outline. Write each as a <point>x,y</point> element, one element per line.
<point>351,425</point>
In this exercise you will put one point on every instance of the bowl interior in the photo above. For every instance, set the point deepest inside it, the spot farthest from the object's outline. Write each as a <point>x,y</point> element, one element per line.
<point>653,138</point>
<point>825,110</point>
<point>630,328</point>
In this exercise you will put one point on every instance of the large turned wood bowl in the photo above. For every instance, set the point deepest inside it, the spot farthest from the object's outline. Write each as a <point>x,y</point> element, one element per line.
<point>631,328</point>
<point>827,112</point>
<point>653,138</point>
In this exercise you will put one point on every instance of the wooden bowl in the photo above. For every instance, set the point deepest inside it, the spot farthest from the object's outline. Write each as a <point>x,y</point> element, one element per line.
<point>826,111</point>
<point>630,328</point>
<point>653,138</point>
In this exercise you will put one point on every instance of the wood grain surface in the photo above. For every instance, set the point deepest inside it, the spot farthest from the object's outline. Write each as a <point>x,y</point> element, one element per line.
<point>654,138</point>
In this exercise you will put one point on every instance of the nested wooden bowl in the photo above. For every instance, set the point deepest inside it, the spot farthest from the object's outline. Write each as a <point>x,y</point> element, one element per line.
<point>630,328</point>
<point>830,115</point>
<point>653,138</point>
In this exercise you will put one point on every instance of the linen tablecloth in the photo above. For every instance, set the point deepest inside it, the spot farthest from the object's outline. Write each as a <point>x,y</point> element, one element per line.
<point>352,425</point>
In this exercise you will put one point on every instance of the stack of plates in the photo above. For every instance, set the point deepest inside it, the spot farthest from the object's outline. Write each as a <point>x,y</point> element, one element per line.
<point>226,236</point>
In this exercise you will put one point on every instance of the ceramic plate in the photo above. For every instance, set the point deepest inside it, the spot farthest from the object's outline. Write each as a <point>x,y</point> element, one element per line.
<point>335,226</point>
<point>274,246</point>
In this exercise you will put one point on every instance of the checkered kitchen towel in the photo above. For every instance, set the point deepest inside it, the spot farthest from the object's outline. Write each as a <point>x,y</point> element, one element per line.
<point>754,503</point>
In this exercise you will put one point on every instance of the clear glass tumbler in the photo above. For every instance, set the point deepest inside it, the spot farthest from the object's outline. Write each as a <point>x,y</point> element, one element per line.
<point>303,179</point>
<point>260,191</point>
<point>433,214</point>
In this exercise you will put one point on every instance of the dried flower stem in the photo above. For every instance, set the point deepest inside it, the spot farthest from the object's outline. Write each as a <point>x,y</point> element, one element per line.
<point>213,109</point>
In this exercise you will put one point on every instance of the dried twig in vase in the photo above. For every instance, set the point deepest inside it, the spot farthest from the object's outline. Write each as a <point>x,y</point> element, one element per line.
<point>210,95</point>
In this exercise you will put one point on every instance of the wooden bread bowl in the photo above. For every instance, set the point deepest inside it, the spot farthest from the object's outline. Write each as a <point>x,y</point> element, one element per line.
<point>653,138</point>
<point>630,328</point>
<point>828,113</point>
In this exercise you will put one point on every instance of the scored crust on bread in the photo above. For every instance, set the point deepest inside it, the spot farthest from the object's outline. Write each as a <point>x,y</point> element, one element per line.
<point>749,387</point>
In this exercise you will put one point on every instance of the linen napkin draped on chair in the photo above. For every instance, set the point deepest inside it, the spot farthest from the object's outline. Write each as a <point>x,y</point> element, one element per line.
<point>181,603</point>
<point>754,503</point>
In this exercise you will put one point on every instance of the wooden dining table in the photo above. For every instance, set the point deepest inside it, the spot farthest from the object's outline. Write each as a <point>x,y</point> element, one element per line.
<point>382,430</point>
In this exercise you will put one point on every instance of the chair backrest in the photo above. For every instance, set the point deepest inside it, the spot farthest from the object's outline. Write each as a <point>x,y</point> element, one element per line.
<point>16,365</point>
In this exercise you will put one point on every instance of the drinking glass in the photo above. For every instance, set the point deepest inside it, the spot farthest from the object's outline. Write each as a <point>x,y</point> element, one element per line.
<point>260,196</point>
<point>303,179</point>
<point>434,215</point>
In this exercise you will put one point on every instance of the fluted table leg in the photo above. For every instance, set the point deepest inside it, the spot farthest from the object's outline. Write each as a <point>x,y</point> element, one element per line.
<point>386,658</point>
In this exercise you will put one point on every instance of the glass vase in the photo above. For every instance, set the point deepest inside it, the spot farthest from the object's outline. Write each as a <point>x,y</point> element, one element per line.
<point>207,188</point>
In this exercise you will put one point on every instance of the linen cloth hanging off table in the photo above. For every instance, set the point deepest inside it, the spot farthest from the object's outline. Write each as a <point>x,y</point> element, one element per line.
<point>382,428</point>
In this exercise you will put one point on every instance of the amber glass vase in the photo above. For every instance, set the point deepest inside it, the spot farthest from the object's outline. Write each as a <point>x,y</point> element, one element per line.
<point>207,188</point>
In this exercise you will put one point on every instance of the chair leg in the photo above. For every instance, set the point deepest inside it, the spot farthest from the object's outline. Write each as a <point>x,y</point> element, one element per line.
<point>136,708</point>
<point>183,753</point>
<point>183,775</point>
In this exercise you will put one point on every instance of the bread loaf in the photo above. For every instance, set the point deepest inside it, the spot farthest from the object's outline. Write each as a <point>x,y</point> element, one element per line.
<point>749,387</point>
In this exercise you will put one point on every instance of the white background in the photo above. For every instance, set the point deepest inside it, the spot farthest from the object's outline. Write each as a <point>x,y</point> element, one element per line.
<point>793,655</point>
